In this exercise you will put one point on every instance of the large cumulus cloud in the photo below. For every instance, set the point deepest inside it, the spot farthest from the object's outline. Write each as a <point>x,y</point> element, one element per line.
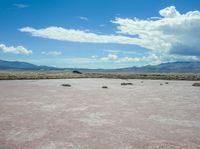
<point>173,32</point>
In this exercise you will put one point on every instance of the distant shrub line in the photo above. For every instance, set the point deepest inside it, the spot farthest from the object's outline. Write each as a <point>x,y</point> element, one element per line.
<point>22,75</point>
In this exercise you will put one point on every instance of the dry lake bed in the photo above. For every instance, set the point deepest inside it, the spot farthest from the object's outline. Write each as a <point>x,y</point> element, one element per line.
<point>42,114</point>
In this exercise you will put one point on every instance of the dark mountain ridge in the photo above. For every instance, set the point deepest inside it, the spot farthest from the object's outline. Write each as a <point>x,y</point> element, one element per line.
<point>170,67</point>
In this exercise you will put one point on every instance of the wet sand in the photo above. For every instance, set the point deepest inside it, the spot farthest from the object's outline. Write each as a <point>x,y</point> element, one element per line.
<point>42,114</point>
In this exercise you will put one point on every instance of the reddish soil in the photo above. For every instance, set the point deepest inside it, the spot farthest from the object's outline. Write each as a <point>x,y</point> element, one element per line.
<point>42,114</point>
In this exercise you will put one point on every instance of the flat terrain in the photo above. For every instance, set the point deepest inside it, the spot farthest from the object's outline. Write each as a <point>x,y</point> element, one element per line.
<point>42,114</point>
<point>27,75</point>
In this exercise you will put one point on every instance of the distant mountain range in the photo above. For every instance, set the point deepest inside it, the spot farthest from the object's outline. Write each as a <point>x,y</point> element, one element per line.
<point>175,67</point>
<point>16,65</point>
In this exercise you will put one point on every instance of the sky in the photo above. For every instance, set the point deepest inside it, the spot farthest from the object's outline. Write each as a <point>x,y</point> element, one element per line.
<point>99,33</point>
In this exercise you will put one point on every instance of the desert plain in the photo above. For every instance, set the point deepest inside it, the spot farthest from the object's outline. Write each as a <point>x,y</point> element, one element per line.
<point>150,114</point>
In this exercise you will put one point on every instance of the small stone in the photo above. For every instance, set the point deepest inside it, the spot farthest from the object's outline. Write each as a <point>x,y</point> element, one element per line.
<point>66,85</point>
<point>104,87</point>
<point>126,83</point>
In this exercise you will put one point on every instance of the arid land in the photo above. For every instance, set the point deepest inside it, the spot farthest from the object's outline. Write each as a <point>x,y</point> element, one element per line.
<point>149,114</point>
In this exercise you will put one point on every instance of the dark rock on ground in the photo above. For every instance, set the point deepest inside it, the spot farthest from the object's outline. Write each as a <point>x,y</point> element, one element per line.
<point>196,84</point>
<point>126,83</point>
<point>67,85</point>
<point>104,87</point>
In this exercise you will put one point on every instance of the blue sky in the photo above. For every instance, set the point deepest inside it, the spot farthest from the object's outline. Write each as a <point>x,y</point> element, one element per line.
<point>99,33</point>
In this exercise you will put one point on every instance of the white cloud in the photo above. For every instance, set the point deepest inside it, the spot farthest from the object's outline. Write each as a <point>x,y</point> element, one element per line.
<point>151,59</point>
<point>169,12</point>
<point>121,51</point>
<point>154,59</point>
<point>110,57</point>
<point>21,5</point>
<point>52,53</point>
<point>15,50</point>
<point>173,58</point>
<point>130,59</point>
<point>174,33</point>
<point>59,33</point>
<point>94,56</point>
<point>83,18</point>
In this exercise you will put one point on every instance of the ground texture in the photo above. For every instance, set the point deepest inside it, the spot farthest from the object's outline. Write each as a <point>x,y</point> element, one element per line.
<point>42,114</point>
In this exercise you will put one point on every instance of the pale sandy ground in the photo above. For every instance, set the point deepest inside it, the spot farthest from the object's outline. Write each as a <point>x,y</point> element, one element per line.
<point>42,114</point>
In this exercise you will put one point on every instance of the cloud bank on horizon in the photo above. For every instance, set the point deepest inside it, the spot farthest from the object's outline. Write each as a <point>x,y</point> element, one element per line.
<point>170,34</point>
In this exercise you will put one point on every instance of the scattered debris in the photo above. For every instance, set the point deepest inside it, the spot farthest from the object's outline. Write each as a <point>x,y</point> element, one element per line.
<point>126,83</point>
<point>196,84</point>
<point>77,72</point>
<point>67,85</point>
<point>104,87</point>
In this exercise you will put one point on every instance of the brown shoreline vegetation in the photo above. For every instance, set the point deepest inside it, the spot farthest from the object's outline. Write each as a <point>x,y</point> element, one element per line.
<point>26,75</point>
